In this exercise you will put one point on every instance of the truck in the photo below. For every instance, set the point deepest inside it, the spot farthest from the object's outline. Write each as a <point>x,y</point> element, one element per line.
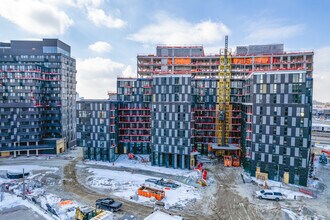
<point>108,204</point>
<point>268,194</point>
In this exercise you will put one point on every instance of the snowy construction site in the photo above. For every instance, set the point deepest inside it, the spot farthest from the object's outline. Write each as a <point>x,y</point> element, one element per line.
<point>65,186</point>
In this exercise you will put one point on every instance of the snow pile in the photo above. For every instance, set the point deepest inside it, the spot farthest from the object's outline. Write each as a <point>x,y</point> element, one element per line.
<point>27,168</point>
<point>291,214</point>
<point>13,201</point>
<point>270,183</point>
<point>322,146</point>
<point>283,188</point>
<point>35,192</point>
<point>124,161</point>
<point>181,196</point>
<point>126,184</point>
<point>115,180</point>
<point>50,199</point>
<point>290,194</point>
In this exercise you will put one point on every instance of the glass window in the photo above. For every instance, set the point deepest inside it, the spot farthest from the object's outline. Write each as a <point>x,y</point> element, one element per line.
<point>295,78</point>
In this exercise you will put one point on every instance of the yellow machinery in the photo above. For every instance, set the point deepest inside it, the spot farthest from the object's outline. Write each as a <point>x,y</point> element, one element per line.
<point>86,213</point>
<point>223,107</point>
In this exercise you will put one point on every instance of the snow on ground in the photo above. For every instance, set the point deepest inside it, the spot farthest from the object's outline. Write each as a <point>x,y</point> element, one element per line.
<point>38,193</point>
<point>126,184</point>
<point>290,194</point>
<point>283,188</point>
<point>124,161</point>
<point>42,198</point>
<point>116,180</point>
<point>13,201</point>
<point>270,183</point>
<point>322,146</point>
<point>292,215</point>
<point>27,168</point>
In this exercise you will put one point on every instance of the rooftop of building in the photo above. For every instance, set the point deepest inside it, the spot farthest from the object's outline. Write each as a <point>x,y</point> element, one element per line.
<point>198,51</point>
<point>34,47</point>
<point>93,100</point>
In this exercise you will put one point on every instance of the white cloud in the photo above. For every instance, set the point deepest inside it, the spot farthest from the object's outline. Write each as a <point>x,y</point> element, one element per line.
<point>129,72</point>
<point>93,10</point>
<point>60,2</point>
<point>97,15</point>
<point>321,74</point>
<point>100,18</point>
<point>100,47</point>
<point>75,3</point>
<point>96,76</point>
<point>172,30</point>
<point>36,16</point>
<point>88,3</point>
<point>266,30</point>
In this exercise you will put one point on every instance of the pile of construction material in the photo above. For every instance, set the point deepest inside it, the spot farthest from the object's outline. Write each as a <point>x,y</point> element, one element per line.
<point>162,182</point>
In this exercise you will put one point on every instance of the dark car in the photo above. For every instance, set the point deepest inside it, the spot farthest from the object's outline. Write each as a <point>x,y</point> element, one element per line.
<point>108,204</point>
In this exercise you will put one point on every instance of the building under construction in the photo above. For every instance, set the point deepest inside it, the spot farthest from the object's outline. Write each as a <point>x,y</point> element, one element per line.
<point>254,104</point>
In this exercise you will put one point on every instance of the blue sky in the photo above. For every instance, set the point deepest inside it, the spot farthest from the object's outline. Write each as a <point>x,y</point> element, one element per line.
<point>106,35</point>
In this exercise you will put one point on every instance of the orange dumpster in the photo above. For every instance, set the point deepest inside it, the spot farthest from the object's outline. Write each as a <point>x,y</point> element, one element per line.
<point>151,192</point>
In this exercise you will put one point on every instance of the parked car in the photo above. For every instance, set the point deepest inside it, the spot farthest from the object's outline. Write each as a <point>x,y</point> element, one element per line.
<point>269,194</point>
<point>108,204</point>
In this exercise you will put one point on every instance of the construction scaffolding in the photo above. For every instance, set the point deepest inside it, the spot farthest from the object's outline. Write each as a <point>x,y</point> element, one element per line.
<point>223,106</point>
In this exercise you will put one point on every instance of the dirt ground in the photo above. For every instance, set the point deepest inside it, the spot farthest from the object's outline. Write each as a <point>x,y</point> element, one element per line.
<point>72,186</point>
<point>222,201</point>
<point>226,197</point>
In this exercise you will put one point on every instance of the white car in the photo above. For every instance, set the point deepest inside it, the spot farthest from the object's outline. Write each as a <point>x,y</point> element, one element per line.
<point>269,194</point>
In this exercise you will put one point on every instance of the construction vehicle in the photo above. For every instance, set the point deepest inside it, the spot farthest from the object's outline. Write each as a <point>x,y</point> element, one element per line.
<point>323,159</point>
<point>326,152</point>
<point>105,215</point>
<point>86,213</point>
<point>201,182</point>
<point>90,213</point>
<point>131,156</point>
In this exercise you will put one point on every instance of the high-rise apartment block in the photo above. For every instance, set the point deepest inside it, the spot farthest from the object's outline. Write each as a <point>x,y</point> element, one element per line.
<point>95,129</point>
<point>254,103</point>
<point>37,97</point>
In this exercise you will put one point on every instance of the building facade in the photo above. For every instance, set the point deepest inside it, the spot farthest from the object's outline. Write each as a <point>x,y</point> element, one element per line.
<point>37,97</point>
<point>281,124</point>
<point>171,121</point>
<point>254,103</point>
<point>134,118</point>
<point>96,129</point>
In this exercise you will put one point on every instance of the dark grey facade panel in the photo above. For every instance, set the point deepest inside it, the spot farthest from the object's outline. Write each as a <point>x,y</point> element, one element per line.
<point>38,109</point>
<point>284,118</point>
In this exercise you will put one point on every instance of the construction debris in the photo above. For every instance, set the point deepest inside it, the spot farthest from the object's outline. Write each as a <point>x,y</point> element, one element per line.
<point>162,182</point>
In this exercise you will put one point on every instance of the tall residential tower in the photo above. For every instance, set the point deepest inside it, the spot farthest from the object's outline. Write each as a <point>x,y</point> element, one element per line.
<point>37,97</point>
